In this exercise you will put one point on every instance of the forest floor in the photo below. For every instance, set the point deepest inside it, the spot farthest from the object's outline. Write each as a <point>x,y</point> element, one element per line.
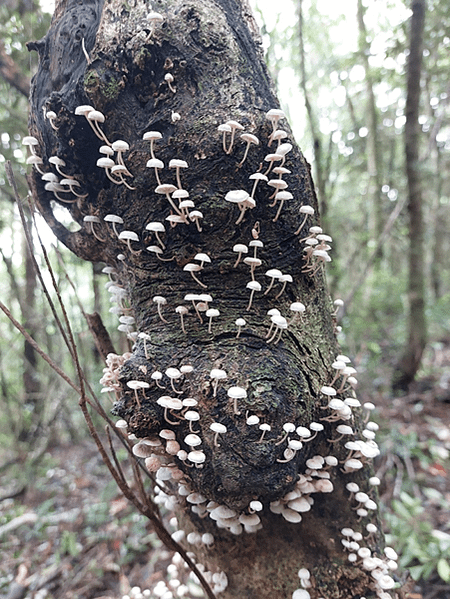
<point>71,535</point>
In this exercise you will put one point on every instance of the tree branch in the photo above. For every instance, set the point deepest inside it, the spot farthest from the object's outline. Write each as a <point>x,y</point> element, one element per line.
<point>12,74</point>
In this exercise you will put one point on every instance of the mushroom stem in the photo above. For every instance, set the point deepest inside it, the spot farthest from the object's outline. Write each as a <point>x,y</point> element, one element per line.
<point>198,280</point>
<point>279,211</point>
<point>252,292</point>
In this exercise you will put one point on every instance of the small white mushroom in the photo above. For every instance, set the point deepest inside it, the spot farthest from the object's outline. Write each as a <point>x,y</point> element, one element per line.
<point>177,165</point>
<point>160,301</point>
<point>236,393</point>
<point>253,286</point>
<point>152,136</point>
<point>240,322</point>
<point>217,375</point>
<point>128,237</point>
<point>218,429</point>
<point>250,139</point>
<point>168,78</point>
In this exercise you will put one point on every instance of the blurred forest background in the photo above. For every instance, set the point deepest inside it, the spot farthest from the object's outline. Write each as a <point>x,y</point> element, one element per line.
<point>340,69</point>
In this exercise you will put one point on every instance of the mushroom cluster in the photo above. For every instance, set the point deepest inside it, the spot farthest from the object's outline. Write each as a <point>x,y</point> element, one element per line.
<point>184,432</point>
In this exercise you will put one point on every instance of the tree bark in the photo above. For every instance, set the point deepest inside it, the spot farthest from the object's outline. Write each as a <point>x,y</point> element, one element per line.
<point>417,329</point>
<point>211,51</point>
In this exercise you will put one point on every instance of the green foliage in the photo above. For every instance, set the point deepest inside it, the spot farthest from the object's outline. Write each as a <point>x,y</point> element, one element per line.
<point>423,550</point>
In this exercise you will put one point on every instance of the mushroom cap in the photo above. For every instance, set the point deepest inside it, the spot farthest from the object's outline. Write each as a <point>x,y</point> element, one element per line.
<point>279,134</point>
<point>190,267</point>
<point>113,218</point>
<point>33,159</point>
<point>96,115</point>
<point>175,218</point>
<point>168,77</point>
<point>192,440</point>
<point>119,168</point>
<point>196,456</point>
<point>277,183</point>
<point>167,434</point>
<point>180,194</point>
<point>155,17</point>
<point>217,427</point>
<point>273,273</point>
<point>297,307</point>
<point>259,177</point>
<point>328,391</point>
<point>149,135</point>
<point>274,113</point>
<point>218,374</point>
<point>83,109</point>
<point>192,415</point>
<point>250,138</point>
<point>189,402</point>
<point>56,160</point>
<point>70,182</point>
<point>241,248</point>
<point>306,209</point>
<point>202,257</point>
<point>91,219</point>
<point>185,203</point>
<point>105,162</point>
<point>159,299</point>
<point>30,140</point>
<point>252,420</point>
<point>154,248</point>
<point>235,125</point>
<point>176,163</point>
<point>155,226</point>
<point>212,312</point>
<point>155,163</point>
<point>131,235</point>
<point>284,149</point>
<point>240,322</point>
<point>292,516</point>
<point>165,188</point>
<point>284,195</point>
<point>273,157</point>
<point>254,285</point>
<point>120,146</point>
<point>237,393</point>
<point>281,170</point>
<point>173,373</point>
<point>236,196</point>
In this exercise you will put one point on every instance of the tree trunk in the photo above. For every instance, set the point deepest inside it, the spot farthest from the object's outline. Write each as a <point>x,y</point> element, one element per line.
<point>372,142</point>
<point>211,50</point>
<point>321,174</point>
<point>417,329</point>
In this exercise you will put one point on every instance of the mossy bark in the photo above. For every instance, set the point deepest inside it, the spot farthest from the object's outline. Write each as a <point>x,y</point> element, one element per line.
<point>211,50</point>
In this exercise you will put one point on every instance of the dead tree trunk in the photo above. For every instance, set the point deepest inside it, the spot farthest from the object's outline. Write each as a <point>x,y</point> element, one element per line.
<point>182,76</point>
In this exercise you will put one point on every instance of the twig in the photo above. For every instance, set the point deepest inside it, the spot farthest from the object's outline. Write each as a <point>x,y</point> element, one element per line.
<point>37,348</point>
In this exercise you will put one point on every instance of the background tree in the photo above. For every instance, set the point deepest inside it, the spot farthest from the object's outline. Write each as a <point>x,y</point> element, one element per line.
<point>145,88</point>
<point>417,330</point>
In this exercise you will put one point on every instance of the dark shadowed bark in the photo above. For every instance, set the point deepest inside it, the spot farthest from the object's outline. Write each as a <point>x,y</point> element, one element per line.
<point>417,329</point>
<point>183,77</point>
